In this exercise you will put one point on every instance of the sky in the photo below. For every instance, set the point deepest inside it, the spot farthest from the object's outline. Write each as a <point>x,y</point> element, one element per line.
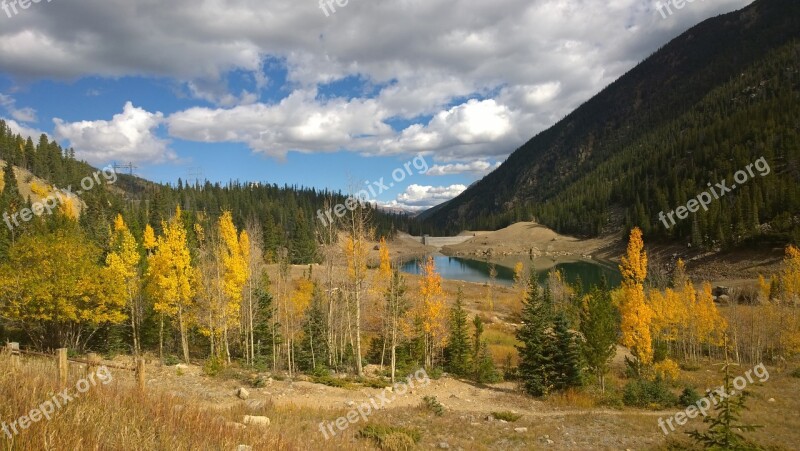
<point>316,94</point>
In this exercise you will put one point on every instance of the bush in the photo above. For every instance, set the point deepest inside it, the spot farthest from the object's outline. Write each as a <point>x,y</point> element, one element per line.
<point>796,373</point>
<point>648,394</point>
<point>436,373</point>
<point>667,369</point>
<point>391,438</point>
<point>506,416</point>
<point>213,366</point>
<point>688,397</point>
<point>171,360</point>
<point>330,381</point>
<point>433,404</point>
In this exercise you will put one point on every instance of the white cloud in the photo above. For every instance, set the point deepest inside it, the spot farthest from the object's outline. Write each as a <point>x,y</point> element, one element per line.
<point>297,123</point>
<point>421,197</point>
<point>479,167</point>
<point>26,114</point>
<point>20,129</point>
<point>531,62</point>
<point>128,136</point>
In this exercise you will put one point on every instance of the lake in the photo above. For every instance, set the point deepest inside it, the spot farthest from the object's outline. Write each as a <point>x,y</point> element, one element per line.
<point>457,268</point>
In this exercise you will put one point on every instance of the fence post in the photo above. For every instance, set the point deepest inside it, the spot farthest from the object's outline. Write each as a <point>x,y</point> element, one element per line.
<point>63,367</point>
<point>140,374</point>
<point>13,352</point>
<point>94,362</point>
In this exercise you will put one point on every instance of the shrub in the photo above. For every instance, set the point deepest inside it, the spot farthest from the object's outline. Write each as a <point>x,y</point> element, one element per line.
<point>171,360</point>
<point>506,416</point>
<point>433,404</point>
<point>796,373</point>
<point>688,397</point>
<point>436,373</point>
<point>667,369</point>
<point>392,438</point>
<point>648,394</point>
<point>213,366</point>
<point>330,381</point>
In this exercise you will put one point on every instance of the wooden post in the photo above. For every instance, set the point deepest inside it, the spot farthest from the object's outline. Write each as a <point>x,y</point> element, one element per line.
<point>63,367</point>
<point>13,353</point>
<point>140,374</point>
<point>94,362</point>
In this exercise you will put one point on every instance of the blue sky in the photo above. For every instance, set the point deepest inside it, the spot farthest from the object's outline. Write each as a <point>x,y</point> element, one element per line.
<point>277,91</point>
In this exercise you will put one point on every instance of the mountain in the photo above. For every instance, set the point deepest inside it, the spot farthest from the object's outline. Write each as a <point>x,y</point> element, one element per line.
<point>713,100</point>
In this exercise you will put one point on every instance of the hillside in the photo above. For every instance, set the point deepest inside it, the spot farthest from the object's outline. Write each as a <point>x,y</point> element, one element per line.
<point>715,99</point>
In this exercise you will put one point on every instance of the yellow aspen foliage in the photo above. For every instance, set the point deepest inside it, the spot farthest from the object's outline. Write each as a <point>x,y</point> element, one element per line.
<point>234,267</point>
<point>669,314</point>
<point>40,190</point>
<point>172,275</point>
<point>68,292</point>
<point>429,313</point>
<point>765,289</point>
<point>711,326</point>
<point>636,315</point>
<point>149,238</point>
<point>790,277</point>
<point>122,262</point>
<point>667,369</point>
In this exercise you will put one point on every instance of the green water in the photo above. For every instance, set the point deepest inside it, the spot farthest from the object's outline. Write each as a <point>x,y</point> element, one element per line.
<point>456,268</point>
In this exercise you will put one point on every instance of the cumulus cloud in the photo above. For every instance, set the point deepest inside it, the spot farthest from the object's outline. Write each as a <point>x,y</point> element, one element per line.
<point>20,129</point>
<point>421,197</point>
<point>476,168</point>
<point>525,65</point>
<point>128,136</point>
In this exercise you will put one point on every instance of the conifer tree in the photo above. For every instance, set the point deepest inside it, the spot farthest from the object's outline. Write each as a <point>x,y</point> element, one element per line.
<point>567,363</point>
<point>457,350</point>
<point>535,365</point>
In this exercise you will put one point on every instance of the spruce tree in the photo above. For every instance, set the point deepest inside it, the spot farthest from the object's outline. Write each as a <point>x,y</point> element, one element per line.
<point>457,350</point>
<point>567,362</point>
<point>10,202</point>
<point>535,366</point>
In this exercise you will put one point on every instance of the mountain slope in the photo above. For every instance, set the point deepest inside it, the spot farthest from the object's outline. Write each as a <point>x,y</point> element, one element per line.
<point>726,91</point>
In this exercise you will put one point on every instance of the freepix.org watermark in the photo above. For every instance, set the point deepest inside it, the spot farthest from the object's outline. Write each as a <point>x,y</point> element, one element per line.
<point>11,6</point>
<point>704,199</point>
<point>678,4</point>
<point>47,409</point>
<point>325,5</point>
<point>364,410</point>
<point>373,190</point>
<point>714,397</point>
<point>57,198</point>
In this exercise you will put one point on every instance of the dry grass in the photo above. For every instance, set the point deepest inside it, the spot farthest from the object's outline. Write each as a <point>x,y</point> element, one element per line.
<point>116,416</point>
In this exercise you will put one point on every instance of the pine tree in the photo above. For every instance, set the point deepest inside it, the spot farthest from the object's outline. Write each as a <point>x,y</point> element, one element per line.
<point>457,350</point>
<point>567,362</point>
<point>483,368</point>
<point>10,202</point>
<point>535,365</point>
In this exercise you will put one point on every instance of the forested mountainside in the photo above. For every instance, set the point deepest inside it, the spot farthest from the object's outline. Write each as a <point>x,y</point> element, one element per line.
<point>712,101</point>
<point>287,216</point>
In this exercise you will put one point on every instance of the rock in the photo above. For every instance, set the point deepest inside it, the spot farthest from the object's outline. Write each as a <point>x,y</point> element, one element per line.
<point>242,393</point>
<point>521,430</point>
<point>350,403</point>
<point>444,445</point>
<point>255,404</point>
<point>389,389</point>
<point>549,442</point>
<point>256,420</point>
<point>244,448</point>
<point>771,400</point>
<point>503,421</point>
